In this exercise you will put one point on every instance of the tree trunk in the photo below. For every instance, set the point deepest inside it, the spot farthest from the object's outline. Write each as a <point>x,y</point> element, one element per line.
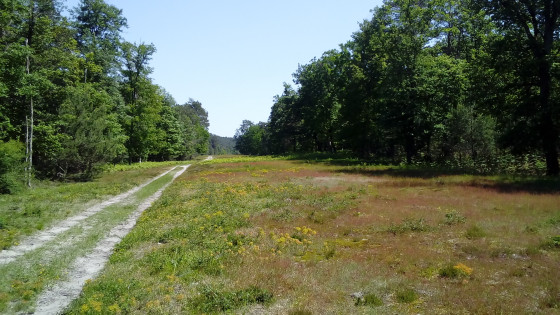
<point>29,132</point>
<point>548,130</point>
<point>30,143</point>
<point>549,137</point>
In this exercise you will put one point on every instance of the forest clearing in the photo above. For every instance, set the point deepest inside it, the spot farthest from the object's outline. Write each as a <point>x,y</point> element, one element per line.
<point>276,236</point>
<point>411,166</point>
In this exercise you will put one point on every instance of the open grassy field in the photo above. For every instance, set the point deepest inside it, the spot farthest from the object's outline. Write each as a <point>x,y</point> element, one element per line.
<point>288,237</point>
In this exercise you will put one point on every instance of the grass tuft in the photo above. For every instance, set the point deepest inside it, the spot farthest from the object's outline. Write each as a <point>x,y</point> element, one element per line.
<point>369,299</point>
<point>552,297</point>
<point>551,243</point>
<point>475,232</point>
<point>409,225</point>
<point>212,300</point>
<point>455,271</point>
<point>406,295</point>
<point>300,312</point>
<point>453,217</point>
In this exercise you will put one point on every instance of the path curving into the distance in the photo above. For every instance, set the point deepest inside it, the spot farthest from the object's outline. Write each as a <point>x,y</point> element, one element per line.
<point>41,238</point>
<point>58,296</point>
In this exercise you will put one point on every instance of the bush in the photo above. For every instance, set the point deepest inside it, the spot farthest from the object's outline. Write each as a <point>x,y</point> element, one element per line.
<point>11,166</point>
<point>47,151</point>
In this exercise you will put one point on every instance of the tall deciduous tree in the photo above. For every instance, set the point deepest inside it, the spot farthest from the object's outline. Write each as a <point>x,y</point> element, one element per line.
<point>318,102</point>
<point>193,119</point>
<point>170,134</point>
<point>98,28</point>
<point>533,27</point>
<point>284,122</point>
<point>61,83</point>
<point>142,98</point>
<point>249,138</point>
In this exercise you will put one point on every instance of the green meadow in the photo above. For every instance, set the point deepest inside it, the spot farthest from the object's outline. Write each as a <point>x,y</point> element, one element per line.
<point>270,235</point>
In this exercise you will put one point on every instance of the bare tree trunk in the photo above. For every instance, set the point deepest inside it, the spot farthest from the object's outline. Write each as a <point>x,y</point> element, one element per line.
<point>30,143</point>
<point>29,131</point>
<point>27,170</point>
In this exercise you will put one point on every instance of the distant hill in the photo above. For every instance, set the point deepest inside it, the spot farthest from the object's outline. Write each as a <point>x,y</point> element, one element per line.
<point>222,145</point>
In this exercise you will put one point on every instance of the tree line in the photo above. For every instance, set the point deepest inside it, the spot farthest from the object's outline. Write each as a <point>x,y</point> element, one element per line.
<point>75,95</point>
<point>468,83</point>
<point>222,145</point>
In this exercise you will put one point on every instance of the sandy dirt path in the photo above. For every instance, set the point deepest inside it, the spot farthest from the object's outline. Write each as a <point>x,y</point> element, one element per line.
<point>39,239</point>
<point>58,296</point>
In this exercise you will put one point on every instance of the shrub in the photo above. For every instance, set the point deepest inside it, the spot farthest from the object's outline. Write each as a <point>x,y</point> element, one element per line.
<point>11,166</point>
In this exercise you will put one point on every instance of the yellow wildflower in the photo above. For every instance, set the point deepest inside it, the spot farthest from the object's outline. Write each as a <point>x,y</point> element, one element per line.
<point>464,269</point>
<point>96,305</point>
<point>114,309</point>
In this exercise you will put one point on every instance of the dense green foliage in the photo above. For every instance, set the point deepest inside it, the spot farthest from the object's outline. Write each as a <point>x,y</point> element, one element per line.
<point>86,92</point>
<point>249,138</point>
<point>11,168</point>
<point>468,83</point>
<point>92,133</point>
<point>222,145</point>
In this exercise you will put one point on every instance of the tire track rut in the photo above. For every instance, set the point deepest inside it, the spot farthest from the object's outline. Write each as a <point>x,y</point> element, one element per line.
<point>41,238</point>
<point>57,297</point>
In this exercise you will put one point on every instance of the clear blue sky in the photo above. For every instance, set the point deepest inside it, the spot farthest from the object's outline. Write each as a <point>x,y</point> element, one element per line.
<point>233,56</point>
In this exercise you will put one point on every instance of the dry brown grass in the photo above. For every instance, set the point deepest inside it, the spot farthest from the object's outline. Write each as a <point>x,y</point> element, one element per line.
<point>315,234</point>
<point>511,274</point>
